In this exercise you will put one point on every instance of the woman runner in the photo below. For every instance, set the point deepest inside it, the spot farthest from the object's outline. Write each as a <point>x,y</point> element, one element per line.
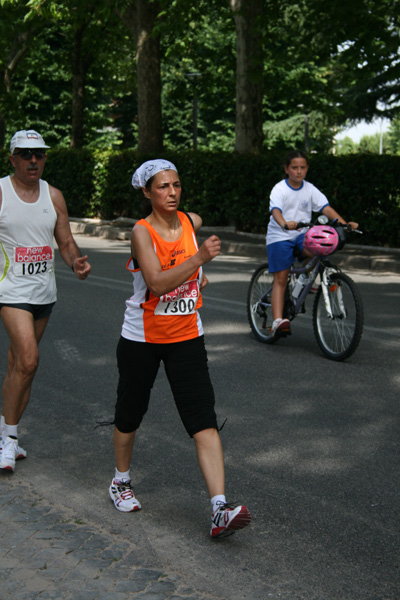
<point>162,323</point>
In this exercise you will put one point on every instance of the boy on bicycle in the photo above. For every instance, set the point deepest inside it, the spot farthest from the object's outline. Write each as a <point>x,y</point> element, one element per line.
<point>292,200</point>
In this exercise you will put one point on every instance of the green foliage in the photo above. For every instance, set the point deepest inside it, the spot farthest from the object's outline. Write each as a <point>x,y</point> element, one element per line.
<point>228,189</point>
<point>202,31</point>
<point>39,93</point>
<point>346,146</point>
<point>317,53</point>
<point>72,173</point>
<point>363,188</point>
<point>290,133</point>
<point>394,136</point>
<point>369,144</point>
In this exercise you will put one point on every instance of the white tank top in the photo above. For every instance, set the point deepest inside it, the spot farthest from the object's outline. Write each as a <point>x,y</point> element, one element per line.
<point>27,247</point>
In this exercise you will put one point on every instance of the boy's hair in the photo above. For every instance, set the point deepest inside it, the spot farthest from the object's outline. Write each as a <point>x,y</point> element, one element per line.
<point>294,154</point>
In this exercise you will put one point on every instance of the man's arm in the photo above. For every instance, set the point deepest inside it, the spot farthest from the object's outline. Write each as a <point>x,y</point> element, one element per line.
<point>69,250</point>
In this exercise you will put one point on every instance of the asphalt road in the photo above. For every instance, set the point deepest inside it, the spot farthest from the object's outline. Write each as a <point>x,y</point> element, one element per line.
<point>311,446</point>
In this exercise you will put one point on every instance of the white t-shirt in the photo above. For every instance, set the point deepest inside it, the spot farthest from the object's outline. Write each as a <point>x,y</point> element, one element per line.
<point>295,205</point>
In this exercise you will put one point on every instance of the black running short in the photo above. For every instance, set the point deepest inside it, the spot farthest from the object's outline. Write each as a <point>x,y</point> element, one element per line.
<point>187,372</point>
<point>39,311</point>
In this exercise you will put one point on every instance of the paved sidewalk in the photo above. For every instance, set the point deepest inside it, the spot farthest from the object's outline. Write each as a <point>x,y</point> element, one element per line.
<point>49,553</point>
<point>353,256</point>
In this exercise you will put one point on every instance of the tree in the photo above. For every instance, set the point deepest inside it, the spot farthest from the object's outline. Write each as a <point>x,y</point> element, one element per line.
<point>15,36</point>
<point>393,136</point>
<point>140,17</point>
<point>87,22</point>
<point>249,68</point>
<point>198,66</point>
<point>346,146</point>
<point>92,79</point>
<point>363,38</point>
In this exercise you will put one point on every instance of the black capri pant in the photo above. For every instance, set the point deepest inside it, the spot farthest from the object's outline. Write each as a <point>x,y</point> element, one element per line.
<point>187,372</point>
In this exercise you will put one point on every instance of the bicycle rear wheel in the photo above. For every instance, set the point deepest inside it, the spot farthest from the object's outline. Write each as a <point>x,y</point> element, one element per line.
<point>259,311</point>
<point>338,337</point>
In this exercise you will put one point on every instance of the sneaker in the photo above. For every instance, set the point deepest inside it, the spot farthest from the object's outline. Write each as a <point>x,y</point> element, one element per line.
<point>9,453</point>
<point>280,328</point>
<point>20,453</point>
<point>226,520</point>
<point>122,495</point>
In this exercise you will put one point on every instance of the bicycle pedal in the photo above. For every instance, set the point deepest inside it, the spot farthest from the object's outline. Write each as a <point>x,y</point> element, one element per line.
<point>283,332</point>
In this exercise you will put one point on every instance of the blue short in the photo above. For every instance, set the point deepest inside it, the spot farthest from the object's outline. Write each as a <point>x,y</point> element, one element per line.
<point>281,254</point>
<point>39,311</point>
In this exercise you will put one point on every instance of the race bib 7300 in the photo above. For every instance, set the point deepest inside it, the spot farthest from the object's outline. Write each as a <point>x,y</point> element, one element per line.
<point>181,301</point>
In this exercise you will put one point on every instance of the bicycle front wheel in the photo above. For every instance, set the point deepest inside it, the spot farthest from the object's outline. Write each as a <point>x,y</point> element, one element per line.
<point>259,311</point>
<point>338,336</point>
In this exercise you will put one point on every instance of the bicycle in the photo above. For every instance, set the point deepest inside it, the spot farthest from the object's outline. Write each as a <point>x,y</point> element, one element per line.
<point>337,313</point>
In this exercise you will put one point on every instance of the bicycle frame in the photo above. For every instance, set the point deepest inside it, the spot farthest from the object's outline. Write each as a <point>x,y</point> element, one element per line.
<point>317,265</point>
<point>313,268</point>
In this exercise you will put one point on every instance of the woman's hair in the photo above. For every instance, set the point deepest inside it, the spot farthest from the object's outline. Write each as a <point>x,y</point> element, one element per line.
<point>149,182</point>
<point>294,154</point>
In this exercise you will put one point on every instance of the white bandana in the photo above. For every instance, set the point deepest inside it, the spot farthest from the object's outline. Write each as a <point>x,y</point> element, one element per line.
<point>148,169</point>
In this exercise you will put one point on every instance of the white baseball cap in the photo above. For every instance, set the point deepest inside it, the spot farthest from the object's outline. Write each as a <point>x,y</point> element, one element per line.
<point>27,139</point>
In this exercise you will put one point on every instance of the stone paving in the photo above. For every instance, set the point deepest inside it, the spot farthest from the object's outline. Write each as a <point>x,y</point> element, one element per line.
<point>46,553</point>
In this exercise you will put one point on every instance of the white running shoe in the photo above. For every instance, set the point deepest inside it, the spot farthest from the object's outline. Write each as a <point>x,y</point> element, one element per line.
<point>122,495</point>
<point>21,453</point>
<point>226,520</point>
<point>9,453</point>
<point>280,328</point>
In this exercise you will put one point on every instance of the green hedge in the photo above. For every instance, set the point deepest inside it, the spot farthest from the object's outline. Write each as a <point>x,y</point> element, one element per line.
<point>228,189</point>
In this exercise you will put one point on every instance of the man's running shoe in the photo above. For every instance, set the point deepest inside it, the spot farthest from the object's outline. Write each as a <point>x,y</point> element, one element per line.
<point>226,520</point>
<point>21,453</point>
<point>280,328</point>
<point>122,495</point>
<point>9,454</point>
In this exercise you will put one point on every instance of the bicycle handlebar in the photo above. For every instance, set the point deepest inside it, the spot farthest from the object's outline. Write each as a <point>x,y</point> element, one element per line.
<point>346,227</point>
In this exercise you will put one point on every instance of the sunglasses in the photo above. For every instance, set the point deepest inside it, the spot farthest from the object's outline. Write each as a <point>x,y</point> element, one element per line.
<point>28,153</point>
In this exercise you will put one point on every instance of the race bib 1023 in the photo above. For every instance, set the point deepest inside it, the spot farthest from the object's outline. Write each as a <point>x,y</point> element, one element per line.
<point>32,260</point>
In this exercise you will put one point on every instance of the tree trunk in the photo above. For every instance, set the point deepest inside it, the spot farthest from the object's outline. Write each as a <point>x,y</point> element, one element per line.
<point>149,79</point>
<point>249,71</point>
<point>139,17</point>
<point>17,52</point>
<point>78,91</point>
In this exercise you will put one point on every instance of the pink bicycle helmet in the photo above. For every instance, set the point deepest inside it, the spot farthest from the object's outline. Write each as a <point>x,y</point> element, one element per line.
<point>321,240</point>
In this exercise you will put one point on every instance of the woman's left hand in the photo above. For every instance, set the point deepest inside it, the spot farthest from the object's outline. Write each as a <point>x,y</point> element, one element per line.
<point>203,282</point>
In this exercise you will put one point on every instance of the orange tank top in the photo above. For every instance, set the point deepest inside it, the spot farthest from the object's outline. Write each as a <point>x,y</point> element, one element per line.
<point>174,316</point>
